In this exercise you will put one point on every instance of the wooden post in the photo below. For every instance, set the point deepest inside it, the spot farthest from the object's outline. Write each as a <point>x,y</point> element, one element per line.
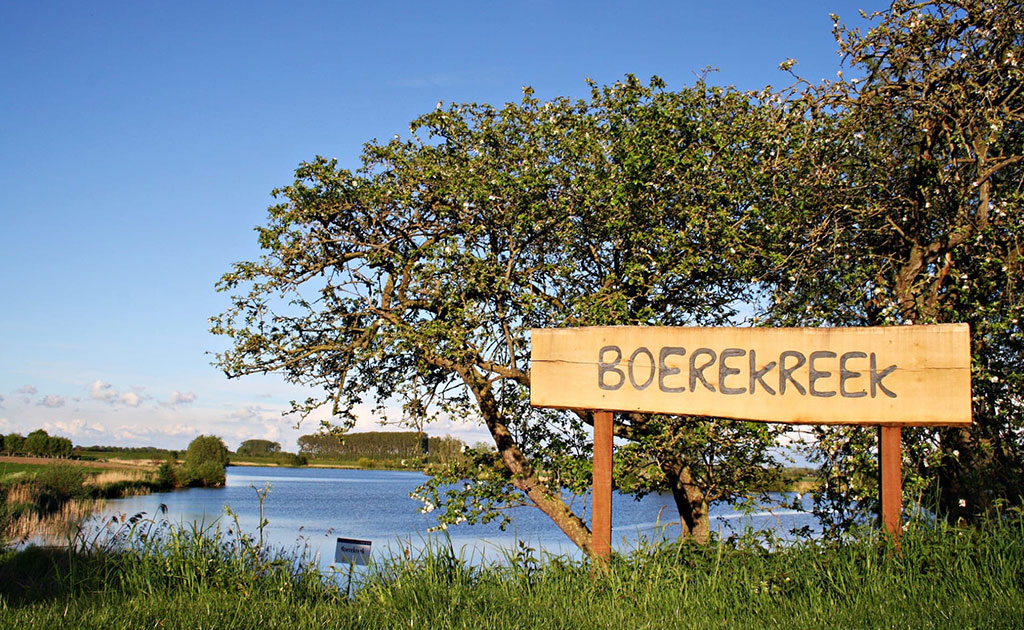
<point>890,454</point>
<point>601,507</point>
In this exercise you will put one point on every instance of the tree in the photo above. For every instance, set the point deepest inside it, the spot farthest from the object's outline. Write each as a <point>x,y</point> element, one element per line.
<point>60,446</point>
<point>205,462</point>
<point>258,448</point>
<point>14,443</point>
<point>42,444</point>
<point>413,282</point>
<point>381,445</point>
<point>36,443</point>
<point>905,203</point>
<point>207,448</point>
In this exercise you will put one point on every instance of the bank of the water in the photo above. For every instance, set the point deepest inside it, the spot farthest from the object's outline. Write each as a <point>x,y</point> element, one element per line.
<point>44,500</point>
<point>310,508</point>
<point>944,577</point>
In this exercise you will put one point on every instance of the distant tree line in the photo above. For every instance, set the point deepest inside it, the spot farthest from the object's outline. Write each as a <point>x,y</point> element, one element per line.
<point>38,443</point>
<point>267,449</point>
<point>380,445</point>
<point>258,448</point>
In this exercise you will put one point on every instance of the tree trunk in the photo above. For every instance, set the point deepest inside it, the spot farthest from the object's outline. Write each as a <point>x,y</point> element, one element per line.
<point>690,502</point>
<point>523,475</point>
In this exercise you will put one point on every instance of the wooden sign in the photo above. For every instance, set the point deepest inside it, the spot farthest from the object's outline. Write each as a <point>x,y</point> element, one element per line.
<point>898,375</point>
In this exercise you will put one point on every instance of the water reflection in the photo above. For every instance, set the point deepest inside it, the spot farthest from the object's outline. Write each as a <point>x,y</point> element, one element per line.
<point>313,506</point>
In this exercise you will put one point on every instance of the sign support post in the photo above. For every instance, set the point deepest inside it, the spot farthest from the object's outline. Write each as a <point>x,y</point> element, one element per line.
<point>890,454</point>
<point>601,507</point>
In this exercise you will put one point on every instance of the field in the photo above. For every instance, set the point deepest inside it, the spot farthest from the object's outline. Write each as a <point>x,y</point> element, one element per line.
<point>12,470</point>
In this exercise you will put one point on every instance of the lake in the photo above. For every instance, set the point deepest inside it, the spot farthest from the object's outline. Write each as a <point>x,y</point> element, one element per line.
<point>314,506</point>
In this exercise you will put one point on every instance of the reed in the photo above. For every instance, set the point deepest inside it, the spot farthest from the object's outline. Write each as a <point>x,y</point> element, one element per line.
<point>19,494</point>
<point>52,528</point>
<point>110,477</point>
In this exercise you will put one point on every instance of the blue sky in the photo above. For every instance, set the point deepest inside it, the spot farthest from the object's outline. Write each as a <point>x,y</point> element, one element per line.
<point>139,143</point>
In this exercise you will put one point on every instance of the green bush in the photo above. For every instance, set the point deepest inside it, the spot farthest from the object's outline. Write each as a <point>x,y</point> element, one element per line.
<point>62,480</point>
<point>205,462</point>
<point>205,475</point>
<point>206,448</point>
<point>166,475</point>
<point>291,459</point>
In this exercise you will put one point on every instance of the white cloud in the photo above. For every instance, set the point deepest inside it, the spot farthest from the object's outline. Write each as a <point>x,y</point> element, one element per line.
<point>256,413</point>
<point>181,398</point>
<point>75,428</point>
<point>172,430</point>
<point>53,401</point>
<point>271,432</point>
<point>27,389</point>
<point>5,425</point>
<point>131,399</point>
<point>100,390</point>
<point>1,402</point>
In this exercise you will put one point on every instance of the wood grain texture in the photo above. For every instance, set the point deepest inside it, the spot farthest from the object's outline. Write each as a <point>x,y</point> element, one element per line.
<point>900,375</point>
<point>601,507</point>
<point>890,454</point>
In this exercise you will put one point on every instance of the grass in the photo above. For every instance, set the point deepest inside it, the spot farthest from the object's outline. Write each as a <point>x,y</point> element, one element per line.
<point>11,472</point>
<point>155,575</point>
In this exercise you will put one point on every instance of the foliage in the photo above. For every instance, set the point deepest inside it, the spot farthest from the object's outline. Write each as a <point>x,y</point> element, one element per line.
<point>146,558</point>
<point>57,484</point>
<point>63,479</point>
<point>14,444</point>
<point>42,444</point>
<point>205,461</point>
<point>38,443</point>
<point>206,474</point>
<point>291,459</point>
<point>258,448</point>
<point>413,282</point>
<point>380,445</point>
<point>132,452</point>
<point>891,196</point>
<point>167,474</point>
<point>904,206</point>
<point>206,448</point>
